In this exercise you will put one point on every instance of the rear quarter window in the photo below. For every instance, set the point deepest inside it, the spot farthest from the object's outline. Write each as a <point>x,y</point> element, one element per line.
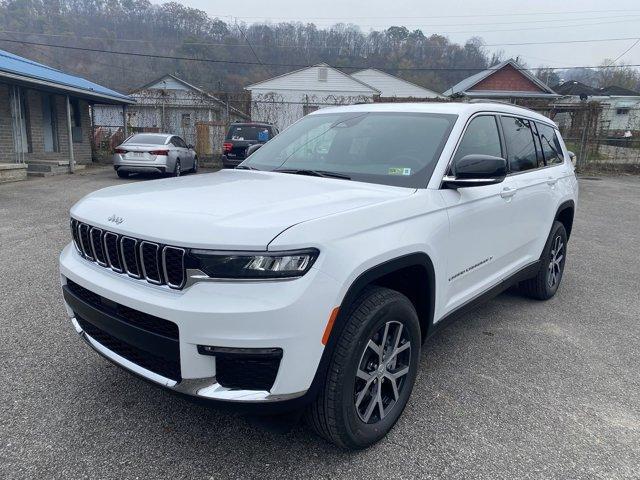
<point>551,148</point>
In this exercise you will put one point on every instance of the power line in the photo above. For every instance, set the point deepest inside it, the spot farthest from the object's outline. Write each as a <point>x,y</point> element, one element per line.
<point>299,65</point>
<point>248,44</point>
<point>624,53</point>
<point>435,16</point>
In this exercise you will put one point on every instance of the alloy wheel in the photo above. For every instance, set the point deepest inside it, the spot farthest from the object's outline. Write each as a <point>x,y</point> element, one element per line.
<point>382,372</point>
<point>556,263</point>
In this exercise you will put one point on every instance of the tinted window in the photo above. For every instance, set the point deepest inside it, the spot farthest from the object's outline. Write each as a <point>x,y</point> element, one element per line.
<point>520,145</point>
<point>388,148</point>
<point>178,142</point>
<point>481,137</point>
<point>249,132</point>
<point>551,148</point>
<point>148,139</point>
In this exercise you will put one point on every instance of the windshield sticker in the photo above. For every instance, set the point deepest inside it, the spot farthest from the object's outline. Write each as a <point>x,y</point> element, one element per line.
<point>263,136</point>
<point>399,171</point>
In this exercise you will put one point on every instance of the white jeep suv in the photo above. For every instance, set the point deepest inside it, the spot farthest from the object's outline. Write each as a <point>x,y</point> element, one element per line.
<point>311,275</point>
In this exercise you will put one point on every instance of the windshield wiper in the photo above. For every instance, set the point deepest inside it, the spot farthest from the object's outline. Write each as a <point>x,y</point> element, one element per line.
<point>246,167</point>
<point>314,173</point>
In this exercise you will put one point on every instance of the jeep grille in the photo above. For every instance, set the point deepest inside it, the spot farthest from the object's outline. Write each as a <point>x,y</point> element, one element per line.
<point>156,263</point>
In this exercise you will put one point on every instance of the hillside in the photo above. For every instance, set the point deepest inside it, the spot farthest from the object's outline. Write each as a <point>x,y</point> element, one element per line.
<point>172,30</point>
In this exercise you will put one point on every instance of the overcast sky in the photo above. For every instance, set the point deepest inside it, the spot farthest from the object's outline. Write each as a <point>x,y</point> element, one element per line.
<point>496,21</point>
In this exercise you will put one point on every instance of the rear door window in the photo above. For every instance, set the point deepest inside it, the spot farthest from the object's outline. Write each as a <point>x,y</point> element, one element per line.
<point>480,137</point>
<point>521,149</point>
<point>551,148</point>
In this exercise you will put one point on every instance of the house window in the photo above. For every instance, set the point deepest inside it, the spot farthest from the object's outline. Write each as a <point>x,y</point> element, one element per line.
<point>49,124</point>
<point>76,121</point>
<point>186,120</point>
<point>622,111</point>
<point>322,74</point>
<point>307,109</point>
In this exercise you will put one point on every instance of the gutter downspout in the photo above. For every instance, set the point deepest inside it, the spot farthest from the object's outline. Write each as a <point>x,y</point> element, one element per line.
<point>71,157</point>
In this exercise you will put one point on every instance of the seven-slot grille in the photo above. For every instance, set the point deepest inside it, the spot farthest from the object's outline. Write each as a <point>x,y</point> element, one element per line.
<point>157,264</point>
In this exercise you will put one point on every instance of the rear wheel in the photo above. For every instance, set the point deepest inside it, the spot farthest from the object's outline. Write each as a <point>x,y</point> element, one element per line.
<point>371,372</point>
<point>546,282</point>
<point>122,174</point>
<point>177,170</point>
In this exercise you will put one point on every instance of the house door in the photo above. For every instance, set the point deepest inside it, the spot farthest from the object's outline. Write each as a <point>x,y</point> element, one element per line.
<point>49,126</point>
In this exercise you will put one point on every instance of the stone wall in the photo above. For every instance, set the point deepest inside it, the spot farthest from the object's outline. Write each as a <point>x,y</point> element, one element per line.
<point>6,131</point>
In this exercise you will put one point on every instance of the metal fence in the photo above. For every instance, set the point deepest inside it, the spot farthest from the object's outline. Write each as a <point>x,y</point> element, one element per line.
<point>603,136</point>
<point>206,137</point>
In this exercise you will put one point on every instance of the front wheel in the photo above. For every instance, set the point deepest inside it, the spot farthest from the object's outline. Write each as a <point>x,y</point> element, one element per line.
<point>546,282</point>
<point>371,372</point>
<point>195,165</point>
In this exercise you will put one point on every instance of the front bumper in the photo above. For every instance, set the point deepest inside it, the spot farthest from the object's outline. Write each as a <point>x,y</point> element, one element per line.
<point>288,315</point>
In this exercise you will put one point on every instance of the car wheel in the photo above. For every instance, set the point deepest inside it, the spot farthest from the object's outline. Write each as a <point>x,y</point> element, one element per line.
<point>195,165</point>
<point>371,372</point>
<point>546,282</point>
<point>122,174</point>
<point>177,170</point>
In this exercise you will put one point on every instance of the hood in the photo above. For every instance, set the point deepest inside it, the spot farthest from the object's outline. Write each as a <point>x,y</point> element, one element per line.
<point>230,209</point>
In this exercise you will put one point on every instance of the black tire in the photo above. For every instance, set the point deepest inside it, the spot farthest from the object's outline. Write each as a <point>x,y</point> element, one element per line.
<point>122,174</point>
<point>195,165</point>
<point>546,282</point>
<point>334,414</point>
<point>177,170</point>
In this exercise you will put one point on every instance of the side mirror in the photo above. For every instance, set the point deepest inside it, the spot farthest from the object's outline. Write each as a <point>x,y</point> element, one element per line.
<point>253,148</point>
<point>572,157</point>
<point>475,171</point>
<point>190,147</point>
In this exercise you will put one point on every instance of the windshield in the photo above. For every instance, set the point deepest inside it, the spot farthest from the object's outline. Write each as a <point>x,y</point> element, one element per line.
<point>376,147</point>
<point>148,139</point>
<point>248,132</point>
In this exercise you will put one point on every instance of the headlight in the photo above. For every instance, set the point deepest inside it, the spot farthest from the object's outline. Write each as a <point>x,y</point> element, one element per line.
<point>253,265</point>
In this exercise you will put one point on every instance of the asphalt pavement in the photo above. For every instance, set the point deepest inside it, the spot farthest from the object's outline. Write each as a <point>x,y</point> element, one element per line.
<point>516,389</point>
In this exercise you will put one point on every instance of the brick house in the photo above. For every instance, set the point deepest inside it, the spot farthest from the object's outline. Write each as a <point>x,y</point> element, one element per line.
<point>506,81</point>
<point>45,126</point>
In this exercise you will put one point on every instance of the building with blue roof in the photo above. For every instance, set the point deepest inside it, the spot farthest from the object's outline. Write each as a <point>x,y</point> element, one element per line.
<point>45,124</point>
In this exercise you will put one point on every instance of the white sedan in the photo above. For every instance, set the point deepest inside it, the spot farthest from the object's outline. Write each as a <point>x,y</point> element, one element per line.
<point>154,152</point>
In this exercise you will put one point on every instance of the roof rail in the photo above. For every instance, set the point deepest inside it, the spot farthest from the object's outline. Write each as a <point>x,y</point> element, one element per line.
<point>481,100</point>
<point>502,102</point>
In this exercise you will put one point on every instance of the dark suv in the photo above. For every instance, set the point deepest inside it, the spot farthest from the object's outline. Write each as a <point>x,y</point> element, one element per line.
<point>240,137</point>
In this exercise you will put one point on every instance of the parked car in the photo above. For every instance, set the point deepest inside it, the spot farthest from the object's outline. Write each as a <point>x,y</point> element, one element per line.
<point>311,275</point>
<point>242,136</point>
<point>154,152</point>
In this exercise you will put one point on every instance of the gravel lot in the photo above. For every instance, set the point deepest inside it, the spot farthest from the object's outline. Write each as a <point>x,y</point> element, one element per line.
<point>517,389</point>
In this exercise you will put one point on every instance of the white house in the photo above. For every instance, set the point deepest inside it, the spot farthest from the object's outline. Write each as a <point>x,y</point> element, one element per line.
<point>284,99</point>
<point>168,104</point>
<point>393,87</point>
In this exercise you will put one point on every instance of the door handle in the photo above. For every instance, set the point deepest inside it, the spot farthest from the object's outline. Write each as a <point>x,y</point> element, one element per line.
<point>508,192</point>
<point>551,181</point>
